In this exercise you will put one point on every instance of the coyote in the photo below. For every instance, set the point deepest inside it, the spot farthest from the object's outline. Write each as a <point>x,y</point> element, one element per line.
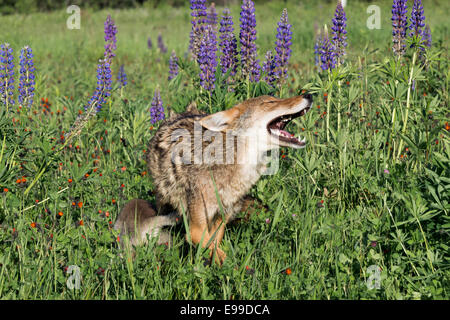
<point>205,187</point>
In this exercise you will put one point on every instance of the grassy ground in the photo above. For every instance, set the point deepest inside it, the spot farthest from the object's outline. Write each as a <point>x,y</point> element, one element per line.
<point>348,203</point>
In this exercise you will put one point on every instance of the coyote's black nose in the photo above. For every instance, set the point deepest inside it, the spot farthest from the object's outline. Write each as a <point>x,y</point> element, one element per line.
<point>308,96</point>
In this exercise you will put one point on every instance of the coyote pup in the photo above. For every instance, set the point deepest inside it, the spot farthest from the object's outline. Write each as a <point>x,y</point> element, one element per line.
<point>210,192</point>
<point>138,218</point>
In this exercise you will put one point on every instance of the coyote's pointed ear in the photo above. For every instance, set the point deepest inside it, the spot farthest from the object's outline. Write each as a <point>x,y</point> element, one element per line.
<point>220,121</point>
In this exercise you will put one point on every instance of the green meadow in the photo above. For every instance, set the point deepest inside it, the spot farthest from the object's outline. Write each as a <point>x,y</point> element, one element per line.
<point>361,213</point>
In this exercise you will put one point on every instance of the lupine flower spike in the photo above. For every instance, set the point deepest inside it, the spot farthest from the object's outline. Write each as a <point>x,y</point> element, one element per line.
<point>149,43</point>
<point>162,47</point>
<point>27,78</point>
<point>269,67</point>
<point>199,18</point>
<point>399,26</point>
<point>417,19</point>
<point>327,53</point>
<point>228,44</point>
<point>319,39</point>
<point>110,38</point>
<point>173,66</point>
<point>206,59</point>
<point>157,108</point>
<point>283,46</point>
<point>417,24</point>
<point>104,82</point>
<point>339,23</point>
<point>247,37</point>
<point>122,77</point>
<point>6,74</point>
<point>427,36</point>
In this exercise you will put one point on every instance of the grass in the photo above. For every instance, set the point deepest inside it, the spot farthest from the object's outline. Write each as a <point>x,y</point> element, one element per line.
<point>374,193</point>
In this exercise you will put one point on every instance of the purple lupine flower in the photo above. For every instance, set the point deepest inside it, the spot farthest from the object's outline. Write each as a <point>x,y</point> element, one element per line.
<point>228,44</point>
<point>207,60</point>
<point>327,53</point>
<point>339,32</point>
<point>6,74</point>
<point>427,36</point>
<point>162,47</point>
<point>198,14</point>
<point>211,15</point>
<point>399,26</point>
<point>122,77</point>
<point>104,84</point>
<point>283,46</point>
<point>27,78</point>
<point>417,19</point>
<point>269,67</point>
<point>110,38</point>
<point>319,39</point>
<point>157,108</point>
<point>173,66</point>
<point>149,43</point>
<point>247,36</point>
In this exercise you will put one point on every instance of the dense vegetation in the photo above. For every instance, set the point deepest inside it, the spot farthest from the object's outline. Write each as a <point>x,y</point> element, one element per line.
<point>368,196</point>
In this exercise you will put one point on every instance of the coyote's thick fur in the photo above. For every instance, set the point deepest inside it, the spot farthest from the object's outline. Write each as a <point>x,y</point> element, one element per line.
<point>210,192</point>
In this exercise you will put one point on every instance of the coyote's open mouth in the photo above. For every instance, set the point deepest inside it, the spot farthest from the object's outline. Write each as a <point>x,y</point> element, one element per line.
<point>277,125</point>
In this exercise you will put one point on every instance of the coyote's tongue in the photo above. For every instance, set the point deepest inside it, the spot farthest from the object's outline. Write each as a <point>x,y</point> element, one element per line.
<point>286,134</point>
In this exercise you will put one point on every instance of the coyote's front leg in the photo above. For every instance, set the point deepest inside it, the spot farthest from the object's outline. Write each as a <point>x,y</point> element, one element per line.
<point>199,228</point>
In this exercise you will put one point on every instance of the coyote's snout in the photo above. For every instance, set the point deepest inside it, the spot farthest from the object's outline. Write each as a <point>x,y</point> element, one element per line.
<point>211,192</point>
<point>264,117</point>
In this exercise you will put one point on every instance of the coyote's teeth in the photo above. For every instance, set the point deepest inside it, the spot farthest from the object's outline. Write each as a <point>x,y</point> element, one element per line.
<point>275,131</point>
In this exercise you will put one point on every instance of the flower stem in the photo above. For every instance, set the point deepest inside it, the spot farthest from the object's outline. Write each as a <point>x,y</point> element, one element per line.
<point>408,98</point>
<point>339,107</point>
<point>210,104</point>
<point>329,105</point>
<point>248,86</point>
